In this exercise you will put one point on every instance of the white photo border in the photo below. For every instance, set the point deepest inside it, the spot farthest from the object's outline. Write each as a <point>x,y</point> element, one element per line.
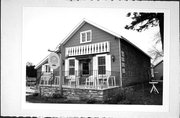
<point>19,107</point>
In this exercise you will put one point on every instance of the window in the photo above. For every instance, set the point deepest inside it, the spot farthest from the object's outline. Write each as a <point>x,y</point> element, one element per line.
<point>101,65</point>
<point>85,36</point>
<point>47,68</point>
<point>123,64</point>
<point>122,53</point>
<point>123,70</point>
<point>71,67</point>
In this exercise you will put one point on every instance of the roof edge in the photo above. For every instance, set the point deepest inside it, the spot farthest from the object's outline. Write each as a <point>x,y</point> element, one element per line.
<point>41,62</point>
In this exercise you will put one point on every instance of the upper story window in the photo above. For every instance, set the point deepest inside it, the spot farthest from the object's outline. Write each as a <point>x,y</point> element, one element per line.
<point>86,36</point>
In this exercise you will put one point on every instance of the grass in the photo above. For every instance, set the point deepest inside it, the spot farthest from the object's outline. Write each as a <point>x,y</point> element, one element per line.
<point>140,96</point>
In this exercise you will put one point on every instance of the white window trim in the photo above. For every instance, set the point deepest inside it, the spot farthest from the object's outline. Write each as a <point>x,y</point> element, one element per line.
<point>76,69</point>
<point>107,64</point>
<point>51,70</point>
<point>86,36</point>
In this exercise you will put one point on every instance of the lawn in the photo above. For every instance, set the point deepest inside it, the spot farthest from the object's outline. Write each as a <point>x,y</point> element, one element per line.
<point>140,96</point>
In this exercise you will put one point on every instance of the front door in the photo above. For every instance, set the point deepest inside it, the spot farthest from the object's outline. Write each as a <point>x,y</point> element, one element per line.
<point>85,67</point>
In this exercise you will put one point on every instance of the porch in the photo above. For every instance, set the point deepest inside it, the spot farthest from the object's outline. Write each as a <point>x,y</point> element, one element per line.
<point>93,80</point>
<point>94,86</point>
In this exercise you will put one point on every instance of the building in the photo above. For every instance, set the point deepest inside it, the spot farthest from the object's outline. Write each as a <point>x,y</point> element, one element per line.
<point>158,70</point>
<point>94,58</point>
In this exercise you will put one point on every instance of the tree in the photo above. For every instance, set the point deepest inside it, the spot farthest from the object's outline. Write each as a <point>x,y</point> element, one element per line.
<point>30,71</point>
<point>155,53</point>
<point>142,21</point>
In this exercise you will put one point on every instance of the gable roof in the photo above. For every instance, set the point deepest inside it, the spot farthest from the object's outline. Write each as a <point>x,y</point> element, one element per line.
<point>68,37</point>
<point>42,62</point>
<point>77,27</point>
<point>157,62</point>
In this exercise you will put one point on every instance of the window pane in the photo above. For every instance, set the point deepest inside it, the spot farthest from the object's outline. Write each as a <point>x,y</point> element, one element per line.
<point>122,53</point>
<point>123,64</point>
<point>71,63</point>
<point>101,70</point>
<point>123,70</point>
<point>88,36</point>
<point>83,37</point>
<point>101,65</point>
<point>71,71</point>
<point>101,60</point>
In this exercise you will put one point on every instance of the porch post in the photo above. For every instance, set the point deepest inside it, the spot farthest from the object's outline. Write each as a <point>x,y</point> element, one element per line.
<point>60,67</point>
<point>120,71</point>
<point>60,71</point>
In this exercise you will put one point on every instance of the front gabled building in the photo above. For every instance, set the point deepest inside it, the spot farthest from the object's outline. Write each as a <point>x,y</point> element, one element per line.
<point>96,58</point>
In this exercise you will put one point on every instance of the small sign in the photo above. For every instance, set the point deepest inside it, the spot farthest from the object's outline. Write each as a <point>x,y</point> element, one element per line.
<point>54,60</point>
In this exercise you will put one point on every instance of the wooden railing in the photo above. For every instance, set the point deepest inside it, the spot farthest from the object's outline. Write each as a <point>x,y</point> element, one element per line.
<point>88,49</point>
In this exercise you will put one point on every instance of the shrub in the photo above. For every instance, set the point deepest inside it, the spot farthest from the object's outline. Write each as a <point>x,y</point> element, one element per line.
<point>35,94</point>
<point>91,101</point>
<point>57,95</point>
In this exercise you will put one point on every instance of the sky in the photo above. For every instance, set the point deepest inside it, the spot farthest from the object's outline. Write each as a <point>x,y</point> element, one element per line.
<point>45,27</point>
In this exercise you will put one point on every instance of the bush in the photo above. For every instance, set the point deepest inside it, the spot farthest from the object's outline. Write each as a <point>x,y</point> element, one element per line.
<point>35,94</point>
<point>57,95</point>
<point>91,101</point>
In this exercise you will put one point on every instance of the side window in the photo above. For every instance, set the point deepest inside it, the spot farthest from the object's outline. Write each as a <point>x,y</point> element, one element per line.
<point>101,65</point>
<point>71,67</point>
<point>123,65</point>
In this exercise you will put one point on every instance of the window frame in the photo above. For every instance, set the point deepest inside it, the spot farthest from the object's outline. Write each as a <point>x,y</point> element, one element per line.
<point>71,67</point>
<point>86,32</point>
<point>104,65</point>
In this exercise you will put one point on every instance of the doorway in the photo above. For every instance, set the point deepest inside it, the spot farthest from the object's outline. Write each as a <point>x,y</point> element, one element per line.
<point>85,67</point>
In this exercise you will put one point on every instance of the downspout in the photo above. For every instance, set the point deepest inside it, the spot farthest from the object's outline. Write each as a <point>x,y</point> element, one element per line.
<point>120,70</point>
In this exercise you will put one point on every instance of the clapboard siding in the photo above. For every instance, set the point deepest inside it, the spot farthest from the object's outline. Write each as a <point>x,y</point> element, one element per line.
<point>137,65</point>
<point>98,35</point>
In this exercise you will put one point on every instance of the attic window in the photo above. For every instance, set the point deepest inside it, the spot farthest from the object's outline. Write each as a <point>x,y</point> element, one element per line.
<point>85,36</point>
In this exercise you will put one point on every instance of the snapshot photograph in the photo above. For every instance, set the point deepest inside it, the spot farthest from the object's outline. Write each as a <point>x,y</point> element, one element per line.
<point>93,56</point>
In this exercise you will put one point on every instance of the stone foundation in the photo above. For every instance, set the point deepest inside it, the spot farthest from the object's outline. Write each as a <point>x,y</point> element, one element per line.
<point>86,94</point>
<point>80,93</point>
<point>48,91</point>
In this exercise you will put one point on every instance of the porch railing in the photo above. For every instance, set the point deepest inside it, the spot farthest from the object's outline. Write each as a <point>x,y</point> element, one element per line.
<point>92,80</point>
<point>88,49</point>
<point>48,79</point>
